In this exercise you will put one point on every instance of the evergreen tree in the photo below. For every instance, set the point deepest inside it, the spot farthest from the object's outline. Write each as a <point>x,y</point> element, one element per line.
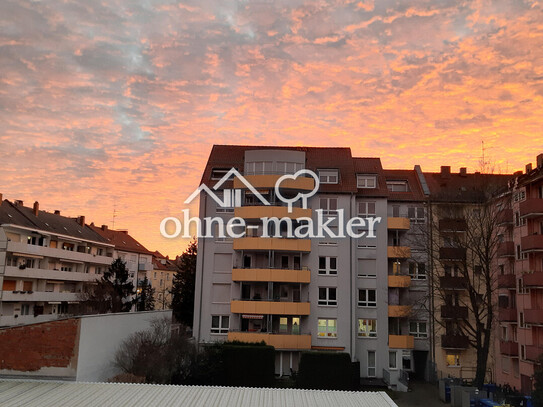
<point>537,393</point>
<point>146,296</point>
<point>184,282</point>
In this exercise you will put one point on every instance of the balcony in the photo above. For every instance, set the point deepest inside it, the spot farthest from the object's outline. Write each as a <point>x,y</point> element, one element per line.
<point>454,342</point>
<point>50,274</point>
<point>257,212</point>
<point>505,217</point>
<point>269,307</point>
<point>534,352</point>
<point>399,311</point>
<point>507,314</point>
<point>531,207</point>
<point>269,180</point>
<point>452,225</point>
<point>145,266</point>
<point>509,348</point>
<point>23,248</point>
<point>272,243</point>
<point>452,253</point>
<point>507,281</point>
<point>534,279</point>
<point>275,275</point>
<point>452,283</point>
<point>278,341</point>
<point>398,223</point>
<point>399,281</point>
<point>454,312</point>
<point>399,252</point>
<point>533,316</point>
<point>506,249</point>
<point>401,341</point>
<point>532,243</point>
<point>39,296</point>
<point>27,319</point>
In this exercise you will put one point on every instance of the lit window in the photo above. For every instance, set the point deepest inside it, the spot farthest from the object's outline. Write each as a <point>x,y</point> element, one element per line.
<point>366,298</point>
<point>328,265</point>
<point>366,181</point>
<point>220,324</point>
<point>328,176</point>
<point>367,328</point>
<point>398,186</point>
<point>327,296</point>
<point>453,359</point>
<point>418,329</point>
<point>283,325</point>
<point>327,328</point>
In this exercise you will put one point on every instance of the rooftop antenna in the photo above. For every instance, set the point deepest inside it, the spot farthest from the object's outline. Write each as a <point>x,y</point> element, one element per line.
<point>114,213</point>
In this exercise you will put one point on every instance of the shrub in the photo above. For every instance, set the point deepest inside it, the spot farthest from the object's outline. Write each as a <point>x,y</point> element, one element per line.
<point>325,370</point>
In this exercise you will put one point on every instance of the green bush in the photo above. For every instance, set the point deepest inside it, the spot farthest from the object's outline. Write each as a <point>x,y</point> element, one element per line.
<point>325,370</point>
<point>248,364</point>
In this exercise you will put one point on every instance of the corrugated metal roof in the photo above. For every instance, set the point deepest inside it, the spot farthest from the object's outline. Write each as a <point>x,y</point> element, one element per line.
<point>58,394</point>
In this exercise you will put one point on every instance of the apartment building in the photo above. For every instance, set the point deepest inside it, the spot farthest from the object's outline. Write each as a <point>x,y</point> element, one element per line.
<point>363,295</point>
<point>519,333</point>
<point>161,279</point>
<point>45,260</point>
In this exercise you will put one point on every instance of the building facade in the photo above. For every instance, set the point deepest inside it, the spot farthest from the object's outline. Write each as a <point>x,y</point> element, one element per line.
<point>161,278</point>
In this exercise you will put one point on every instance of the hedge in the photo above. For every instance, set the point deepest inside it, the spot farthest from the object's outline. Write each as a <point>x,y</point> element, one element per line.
<point>325,370</point>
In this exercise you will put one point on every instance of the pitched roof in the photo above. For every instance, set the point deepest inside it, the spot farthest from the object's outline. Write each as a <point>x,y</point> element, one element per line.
<point>53,223</point>
<point>364,165</point>
<point>415,192</point>
<point>121,239</point>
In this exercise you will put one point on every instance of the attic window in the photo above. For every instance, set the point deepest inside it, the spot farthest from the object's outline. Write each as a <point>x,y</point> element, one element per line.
<point>218,173</point>
<point>366,181</point>
<point>398,186</point>
<point>329,176</point>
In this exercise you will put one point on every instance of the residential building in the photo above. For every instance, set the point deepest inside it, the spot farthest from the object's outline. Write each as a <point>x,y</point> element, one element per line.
<point>45,261</point>
<point>520,280</point>
<point>161,279</point>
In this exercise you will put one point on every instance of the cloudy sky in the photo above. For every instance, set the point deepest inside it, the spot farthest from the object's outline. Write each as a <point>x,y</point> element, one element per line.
<point>116,104</point>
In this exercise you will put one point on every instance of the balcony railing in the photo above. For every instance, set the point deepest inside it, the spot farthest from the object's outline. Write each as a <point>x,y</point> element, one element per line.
<point>506,249</point>
<point>277,340</point>
<point>505,217</point>
<point>534,279</point>
<point>509,348</point>
<point>401,341</point>
<point>452,253</point>
<point>454,342</point>
<point>399,281</point>
<point>268,181</point>
<point>50,274</point>
<point>507,281</point>
<point>398,223</point>
<point>532,243</point>
<point>533,316</point>
<point>399,252</point>
<point>452,283</point>
<point>40,296</point>
<point>24,248</point>
<point>258,211</point>
<point>399,311</point>
<point>272,243</point>
<point>507,314</point>
<point>270,307</point>
<point>452,225</point>
<point>454,312</point>
<point>534,352</point>
<point>273,275</point>
<point>531,207</point>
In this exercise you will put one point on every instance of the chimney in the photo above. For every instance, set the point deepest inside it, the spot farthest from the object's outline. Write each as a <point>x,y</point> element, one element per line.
<point>445,171</point>
<point>81,220</point>
<point>539,165</point>
<point>463,171</point>
<point>18,202</point>
<point>0,198</point>
<point>528,168</point>
<point>104,227</point>
<point>57,212</point>
<point>36,208</point>
<point>517,173</point>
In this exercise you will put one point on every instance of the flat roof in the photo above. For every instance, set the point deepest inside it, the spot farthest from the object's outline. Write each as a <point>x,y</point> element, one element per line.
<point>53,393</point>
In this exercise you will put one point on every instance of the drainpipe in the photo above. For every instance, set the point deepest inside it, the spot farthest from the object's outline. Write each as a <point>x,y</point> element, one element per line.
<point>201,281</point>
<point>352,285</point>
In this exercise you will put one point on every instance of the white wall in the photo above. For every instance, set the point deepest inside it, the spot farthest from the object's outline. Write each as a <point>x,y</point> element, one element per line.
<point>101,336</point>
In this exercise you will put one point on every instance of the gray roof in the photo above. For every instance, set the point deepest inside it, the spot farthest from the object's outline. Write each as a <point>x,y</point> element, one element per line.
<point>59,394</point>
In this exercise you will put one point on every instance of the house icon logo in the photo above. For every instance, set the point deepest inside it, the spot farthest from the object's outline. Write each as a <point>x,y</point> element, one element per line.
<point>232,197</point>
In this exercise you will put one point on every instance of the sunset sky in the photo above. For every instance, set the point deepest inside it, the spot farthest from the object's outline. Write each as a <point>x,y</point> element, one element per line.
<point>116,104</point>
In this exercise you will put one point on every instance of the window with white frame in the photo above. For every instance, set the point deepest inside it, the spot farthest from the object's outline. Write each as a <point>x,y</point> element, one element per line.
<point>367,328</point>
<point>418,329</point>
<point>416,214</point>
<point>453,359</point>
<point>398,186</point>
<point>327,296</point>
<point>220,324</point>
<point>328,176</point>
<point>224,209</point>
<point>417,271</point>
<point>259,167</point>
<point>328,206</point>
<point>327,265</point>
<point>327,328</point>
<point>392,363</point>
<point>285,167</point>
<point>367,297</point>
<point>372,365</point>
<point>366,209</point>
<point>366,181</point>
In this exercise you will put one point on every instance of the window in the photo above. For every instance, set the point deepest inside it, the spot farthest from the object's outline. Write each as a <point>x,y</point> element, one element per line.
<point>328,265</point>
<point>328,176</point>
<point>366,268</point>
<point>523,352</point>
<point>392,360</point>
<point>327,296</point>
<point>328,206</point>
<point>367,328</point>
<point>518,220</point>
<point>283,325</point>
<point>259,167</point>
<point>521,320</point>
<point>366,181</point>
<point>284,167</point>
<point>220,324</point>
<point>398,186</point>
<point>327,328</point>
<point>366,209</point>
<point>27,285</point>
<point>521,288</point>
<point>9,285</point>
<point>453,359</point>
<point>366,297</point>
<point>416,214</point>
<point>25,309</point>
<point>417,271</point>
<point>418,329</point>
<point>218,173</point>
<point>371,363</point>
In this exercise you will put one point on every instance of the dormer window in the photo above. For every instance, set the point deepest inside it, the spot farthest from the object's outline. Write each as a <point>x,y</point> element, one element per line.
<point>328,176</point>
<point>366,181</point>
<point>398,186</point>
<point>218,173</point>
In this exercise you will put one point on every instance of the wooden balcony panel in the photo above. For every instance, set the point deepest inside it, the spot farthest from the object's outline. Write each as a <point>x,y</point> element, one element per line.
<point>454,312</point>
<point>401,341</point>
